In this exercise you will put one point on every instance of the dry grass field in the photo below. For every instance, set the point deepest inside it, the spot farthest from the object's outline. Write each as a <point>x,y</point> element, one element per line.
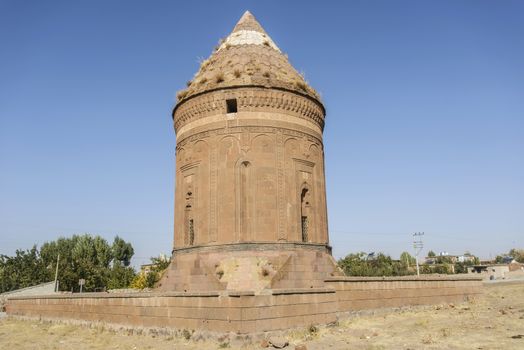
<point>496,321</point>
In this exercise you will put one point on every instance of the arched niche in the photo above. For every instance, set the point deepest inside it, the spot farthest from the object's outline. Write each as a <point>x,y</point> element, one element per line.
<point>306,212</point>
<point>263,144</point>
<point>245,200</point>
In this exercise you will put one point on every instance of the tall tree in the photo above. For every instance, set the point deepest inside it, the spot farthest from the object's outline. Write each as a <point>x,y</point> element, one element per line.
<point>24,269</point>
<point>407,259</point>
<point>90,258</point>
<point>122,251</point>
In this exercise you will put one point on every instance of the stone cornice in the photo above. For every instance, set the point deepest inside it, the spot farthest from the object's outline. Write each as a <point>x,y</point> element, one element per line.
<point>253,246</point>
<point>256,98</point>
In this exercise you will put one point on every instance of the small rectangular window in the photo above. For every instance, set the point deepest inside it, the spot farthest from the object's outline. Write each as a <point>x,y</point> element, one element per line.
<point>231,105</point>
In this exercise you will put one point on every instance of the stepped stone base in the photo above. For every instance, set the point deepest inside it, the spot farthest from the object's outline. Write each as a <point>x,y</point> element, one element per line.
<point>249,267</point>
<point>247,312</point>
<point>248,288</point>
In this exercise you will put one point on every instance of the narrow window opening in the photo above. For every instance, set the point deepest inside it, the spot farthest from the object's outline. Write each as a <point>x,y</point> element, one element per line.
<point>191,232</point>
<point>231,105</point>
<point>305,224</point>
<point>305,207</point>
<point>189,235</point>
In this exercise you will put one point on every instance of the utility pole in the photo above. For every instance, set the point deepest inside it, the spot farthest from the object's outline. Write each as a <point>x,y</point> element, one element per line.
<point>418,245</point>
<point>56,273</point>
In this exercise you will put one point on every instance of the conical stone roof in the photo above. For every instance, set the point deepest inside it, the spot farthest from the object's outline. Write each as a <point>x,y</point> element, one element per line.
<point>247,57</point>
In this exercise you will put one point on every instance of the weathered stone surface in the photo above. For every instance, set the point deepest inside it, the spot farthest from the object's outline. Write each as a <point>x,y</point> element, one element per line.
<point>249,173</point>
<point>248,56</point>
<point>242,313</point>
<point>278,342</point>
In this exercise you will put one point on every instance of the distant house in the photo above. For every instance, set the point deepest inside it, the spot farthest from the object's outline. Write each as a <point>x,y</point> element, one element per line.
<point>445,257</point>
<point>466,258</point>
<point>371,256</point>
<point>492,272</point>
<point>146,268</point>
<point>508,260</point>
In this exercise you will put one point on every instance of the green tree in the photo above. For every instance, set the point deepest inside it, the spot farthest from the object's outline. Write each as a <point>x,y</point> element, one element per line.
<point>122,251</point>
<point>461,267</point>
<point>91,258</point>
<point>120,276</point>
<point>148,279</point>
<point>517,254</point>
<point>68,276</point>
<point>24,269</point>
<point>357,264</point>
<point>354,264</point>
<point>407,259</point>
<point>81,256</point>
<point>431,254</point>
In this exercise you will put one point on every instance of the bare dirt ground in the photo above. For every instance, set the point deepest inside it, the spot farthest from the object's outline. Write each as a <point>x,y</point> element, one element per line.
<point>496,321</point>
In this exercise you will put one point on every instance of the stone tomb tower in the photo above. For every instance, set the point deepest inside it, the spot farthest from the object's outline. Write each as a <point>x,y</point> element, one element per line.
<point>250,197</point>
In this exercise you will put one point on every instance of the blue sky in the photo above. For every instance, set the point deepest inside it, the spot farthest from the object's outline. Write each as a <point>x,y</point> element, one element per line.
<point>424,132</point>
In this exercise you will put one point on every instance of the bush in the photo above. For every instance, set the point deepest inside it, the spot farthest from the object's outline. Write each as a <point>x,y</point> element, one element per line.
<point>359,264</point>
<point>148,279</point>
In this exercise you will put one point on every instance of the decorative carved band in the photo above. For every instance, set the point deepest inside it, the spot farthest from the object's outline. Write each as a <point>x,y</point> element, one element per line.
<point>246,129</point>
<point>252,100</point>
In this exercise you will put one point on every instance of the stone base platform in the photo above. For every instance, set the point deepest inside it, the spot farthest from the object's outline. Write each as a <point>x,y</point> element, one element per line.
<point>249,267</point>
<point>248,312</point>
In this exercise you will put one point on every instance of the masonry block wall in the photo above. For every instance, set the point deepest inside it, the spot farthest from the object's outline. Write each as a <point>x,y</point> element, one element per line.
<point>239,313</point>
<point>364,293</point>
<point>255,175</point>
<point>245,312</point>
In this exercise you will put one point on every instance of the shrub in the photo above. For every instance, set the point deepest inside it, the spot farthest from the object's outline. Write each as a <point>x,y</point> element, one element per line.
<point>181,95</point>
<point>301,85</point>
<point>219,78</point>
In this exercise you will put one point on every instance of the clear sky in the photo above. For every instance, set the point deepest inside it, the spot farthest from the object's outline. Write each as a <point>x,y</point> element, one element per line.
<point>424,131</point>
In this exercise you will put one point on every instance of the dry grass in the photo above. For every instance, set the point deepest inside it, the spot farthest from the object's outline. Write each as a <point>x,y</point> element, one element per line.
<point>219,78</point>
<point>181,94</point>
<point>492,322</point>
<point>301,85</point>
<point>25,335</point>
<point>204,64</point>
<point>496,321</point>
